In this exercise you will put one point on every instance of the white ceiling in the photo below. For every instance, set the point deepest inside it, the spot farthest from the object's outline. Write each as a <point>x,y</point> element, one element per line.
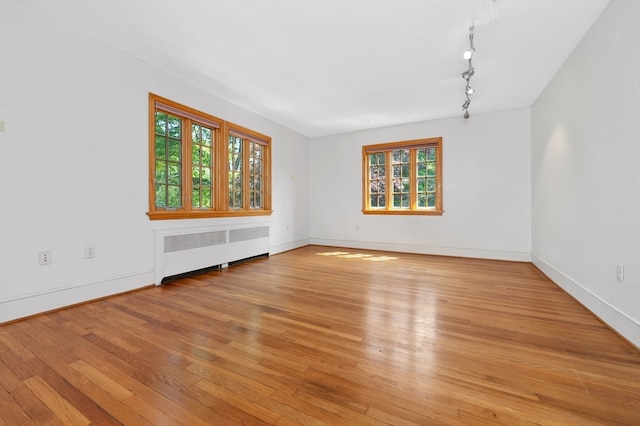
<point>322,67</point>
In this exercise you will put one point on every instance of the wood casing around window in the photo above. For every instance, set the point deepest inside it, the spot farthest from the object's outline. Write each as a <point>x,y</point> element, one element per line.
<point>219,179</point>
<point>387,148</point>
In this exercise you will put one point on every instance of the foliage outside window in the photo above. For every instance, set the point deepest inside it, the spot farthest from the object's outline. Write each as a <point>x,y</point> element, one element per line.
<point>403,177</point>
<point>194,173</point>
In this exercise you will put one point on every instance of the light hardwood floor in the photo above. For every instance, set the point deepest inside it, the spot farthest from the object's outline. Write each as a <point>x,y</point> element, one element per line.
<point>325,335</point>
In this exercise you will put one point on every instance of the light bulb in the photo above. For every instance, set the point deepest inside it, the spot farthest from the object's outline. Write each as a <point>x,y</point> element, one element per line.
<point>467,54</point>
<point>469,90</point>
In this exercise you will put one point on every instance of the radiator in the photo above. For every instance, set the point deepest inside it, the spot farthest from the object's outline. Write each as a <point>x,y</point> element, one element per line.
<point>178,251</point>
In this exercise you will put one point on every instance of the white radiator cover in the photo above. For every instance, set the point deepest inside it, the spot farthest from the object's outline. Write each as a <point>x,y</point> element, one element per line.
<point>177,251</point>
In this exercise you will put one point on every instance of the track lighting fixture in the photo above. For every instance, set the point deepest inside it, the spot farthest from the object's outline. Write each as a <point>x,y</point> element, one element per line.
<point>468,90</point>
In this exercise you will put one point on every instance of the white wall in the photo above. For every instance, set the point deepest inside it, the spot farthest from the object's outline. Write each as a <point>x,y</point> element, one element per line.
<point>486,194</point>
<point>586,171</point>
<point>74,165</point>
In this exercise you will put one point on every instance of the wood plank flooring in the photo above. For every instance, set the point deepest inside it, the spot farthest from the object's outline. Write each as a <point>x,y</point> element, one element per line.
<point>320,336</point>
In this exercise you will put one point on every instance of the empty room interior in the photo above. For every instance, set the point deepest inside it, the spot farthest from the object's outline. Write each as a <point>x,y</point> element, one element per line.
<point>294,212</point>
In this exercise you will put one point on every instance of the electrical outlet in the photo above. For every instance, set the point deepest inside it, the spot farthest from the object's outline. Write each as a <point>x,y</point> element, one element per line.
<point>89,252</point>
<point>620,273</point>
<point>45,257</point>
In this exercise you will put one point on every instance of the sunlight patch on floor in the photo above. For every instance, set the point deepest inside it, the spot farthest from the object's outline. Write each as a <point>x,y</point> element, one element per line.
<point>362,256</point>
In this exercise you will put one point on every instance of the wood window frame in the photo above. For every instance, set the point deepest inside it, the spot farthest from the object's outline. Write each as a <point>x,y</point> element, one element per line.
<point>220,172</point>
<point>248,136</point>
<point>387,148</point>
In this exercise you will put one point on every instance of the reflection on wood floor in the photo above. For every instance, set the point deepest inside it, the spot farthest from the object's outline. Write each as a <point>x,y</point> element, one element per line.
<point>324,335</point>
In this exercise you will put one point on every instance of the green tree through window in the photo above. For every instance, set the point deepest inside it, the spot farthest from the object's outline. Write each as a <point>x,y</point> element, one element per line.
<point>193,173</point>
<point>403,177</point>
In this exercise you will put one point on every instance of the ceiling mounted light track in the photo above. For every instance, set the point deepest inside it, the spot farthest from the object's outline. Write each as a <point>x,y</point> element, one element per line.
<point>468,90</point>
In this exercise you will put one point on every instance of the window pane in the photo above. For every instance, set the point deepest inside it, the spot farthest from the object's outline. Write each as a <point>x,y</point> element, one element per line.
<point>195,197</point>
<point>431,184</point>
<point>174,150</point>
<point>205,156</point>
<point>161,172</point>
<point>205,177</point>
<point>195,154</point>
<point>373,173</point>
<point>195,176</point>
<point>422,169</point>
<point>174,196</point>
<point>422,200</point>
<point>161,123</point>
<point>431,154</point>
<point>161,195</point>
<point>235,172</point>
<point>168,146</point>
<point>201,161</point>
<point>196,131</point>
<point>174,173</point>
<point>401,174</point>
<point>377,180</point>
<point>431,200</point>
<point>173,126</point>
<point>431,168</point>
<point>206,136</point>
<point>206,197</point>
<point>161,147</point>
<point>255,175</point>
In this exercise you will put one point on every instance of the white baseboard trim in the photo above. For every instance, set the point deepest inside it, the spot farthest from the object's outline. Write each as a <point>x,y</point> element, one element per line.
<point>624,325</point>
<point>36,303</point>
<point>281,248</point>
<point>420,249</point>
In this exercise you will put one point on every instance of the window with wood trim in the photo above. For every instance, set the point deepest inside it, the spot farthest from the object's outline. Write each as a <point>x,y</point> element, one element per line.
<point>403,177</point>
<point>189,174</point>
<point>248,169</point>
